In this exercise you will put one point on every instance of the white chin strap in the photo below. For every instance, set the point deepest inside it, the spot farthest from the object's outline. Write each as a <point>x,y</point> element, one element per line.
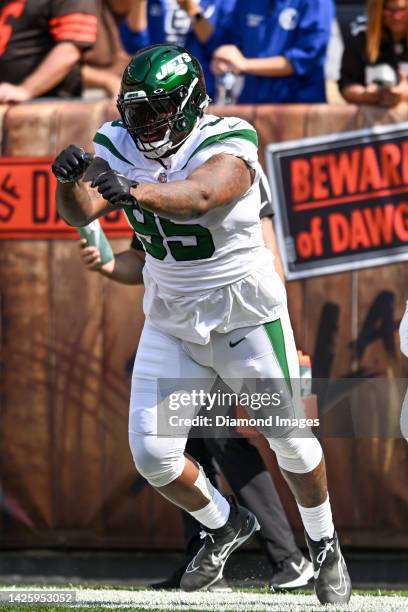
<point>161,147</point>
<point>156,149</point>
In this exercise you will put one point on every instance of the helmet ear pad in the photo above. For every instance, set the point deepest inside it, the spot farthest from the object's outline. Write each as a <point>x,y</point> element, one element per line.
<point>189,118</point>
<point>180,125</point>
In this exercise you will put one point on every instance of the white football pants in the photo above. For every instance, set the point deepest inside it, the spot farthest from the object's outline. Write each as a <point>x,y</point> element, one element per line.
<point>263,352</point>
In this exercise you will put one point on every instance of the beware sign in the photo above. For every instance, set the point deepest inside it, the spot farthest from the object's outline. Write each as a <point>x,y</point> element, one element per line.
<point>27,202</point>
<point>341,200</point>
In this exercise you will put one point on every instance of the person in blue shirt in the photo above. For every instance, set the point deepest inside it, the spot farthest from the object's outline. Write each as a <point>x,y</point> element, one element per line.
<point>187,23</point>
<point>279,46</point>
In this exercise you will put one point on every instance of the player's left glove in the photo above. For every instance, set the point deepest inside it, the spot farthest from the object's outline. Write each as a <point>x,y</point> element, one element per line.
<point>403,332</point>
<point>115,187</point>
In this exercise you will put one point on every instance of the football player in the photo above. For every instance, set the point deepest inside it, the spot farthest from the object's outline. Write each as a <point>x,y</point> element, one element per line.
<point>214,304</point>
<point>238,459</point>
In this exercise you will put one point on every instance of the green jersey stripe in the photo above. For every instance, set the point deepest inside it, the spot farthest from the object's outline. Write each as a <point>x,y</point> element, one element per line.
<point>212,123</point>
<point>277,339</point>
<point>249,135</point>
<point>108,144</point>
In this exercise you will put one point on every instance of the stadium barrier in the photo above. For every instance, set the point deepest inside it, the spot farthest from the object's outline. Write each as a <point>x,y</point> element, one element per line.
<point>67,339</point>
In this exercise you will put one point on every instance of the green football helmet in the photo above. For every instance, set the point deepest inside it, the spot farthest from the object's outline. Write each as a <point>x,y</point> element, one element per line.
<point>162,98</point>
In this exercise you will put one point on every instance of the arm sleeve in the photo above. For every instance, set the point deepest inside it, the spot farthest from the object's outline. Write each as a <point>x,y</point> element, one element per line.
<point>133,41</point>
<point>74,21</point>
<point>266,210</point>
<point>136,244</point>
<point>312,36</point>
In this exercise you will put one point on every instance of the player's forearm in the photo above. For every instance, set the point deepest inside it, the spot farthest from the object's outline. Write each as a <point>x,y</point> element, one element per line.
<point>127,269</point>
<point>278,66</point>
<point>221,180</point>
<point>52,70</point>
<point>74,204</point>
<point>177,200</point>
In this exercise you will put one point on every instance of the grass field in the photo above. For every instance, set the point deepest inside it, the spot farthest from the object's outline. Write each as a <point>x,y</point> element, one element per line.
<point>249,600</point>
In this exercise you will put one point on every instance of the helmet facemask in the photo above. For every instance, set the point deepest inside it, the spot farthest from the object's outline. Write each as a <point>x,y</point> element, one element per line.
<point>161,122</point>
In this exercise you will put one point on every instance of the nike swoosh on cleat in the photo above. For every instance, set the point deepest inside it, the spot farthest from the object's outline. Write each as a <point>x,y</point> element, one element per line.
<point>191,564</point>
<point>191,568</point>
<point>235,125</point>
<point>342,584</point>
<point>297,568</point>
<point>218,559</point>
<point>232,344</point>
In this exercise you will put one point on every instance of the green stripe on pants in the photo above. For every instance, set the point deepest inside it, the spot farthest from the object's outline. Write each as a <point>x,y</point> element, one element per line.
<point>275,334</point>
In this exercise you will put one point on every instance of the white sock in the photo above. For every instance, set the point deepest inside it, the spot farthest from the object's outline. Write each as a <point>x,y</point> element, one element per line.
<point>318,521</point>
<point>215,514</point>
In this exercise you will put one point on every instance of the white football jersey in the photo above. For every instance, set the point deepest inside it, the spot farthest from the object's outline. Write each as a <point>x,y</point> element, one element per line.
<point>191,259</point>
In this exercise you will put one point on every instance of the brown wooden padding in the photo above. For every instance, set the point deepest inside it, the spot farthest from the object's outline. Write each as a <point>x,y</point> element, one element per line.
<point>26,448</point>
<point>76,338</point>
<point>3,110</point>
<point>30,129</point>
<point>26,419</point>
<point>67,342</point>
<point>77,122</point>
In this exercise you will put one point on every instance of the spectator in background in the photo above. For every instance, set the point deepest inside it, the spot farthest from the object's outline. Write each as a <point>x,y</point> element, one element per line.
<point>188,23</point>
<point>375,62</point>
<point>41,42</point>
<point>280,48</point>
<point>104,63</point>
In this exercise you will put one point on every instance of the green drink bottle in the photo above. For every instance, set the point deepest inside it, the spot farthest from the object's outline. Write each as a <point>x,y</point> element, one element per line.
<point>95,236</point>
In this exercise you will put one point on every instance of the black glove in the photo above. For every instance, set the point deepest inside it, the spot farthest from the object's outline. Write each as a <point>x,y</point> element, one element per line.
<point>71,164</point>
<point>115,187</point>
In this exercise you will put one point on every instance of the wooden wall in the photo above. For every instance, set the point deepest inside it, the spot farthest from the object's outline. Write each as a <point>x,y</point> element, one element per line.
<point>68,337</point>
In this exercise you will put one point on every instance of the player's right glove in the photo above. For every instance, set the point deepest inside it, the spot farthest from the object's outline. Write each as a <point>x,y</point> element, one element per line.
<point>71,163</point>
<point>403,332</point>
<point>115,188</point>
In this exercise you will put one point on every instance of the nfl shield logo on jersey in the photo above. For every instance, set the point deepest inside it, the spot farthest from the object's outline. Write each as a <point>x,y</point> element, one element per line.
<point>162,177</point>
